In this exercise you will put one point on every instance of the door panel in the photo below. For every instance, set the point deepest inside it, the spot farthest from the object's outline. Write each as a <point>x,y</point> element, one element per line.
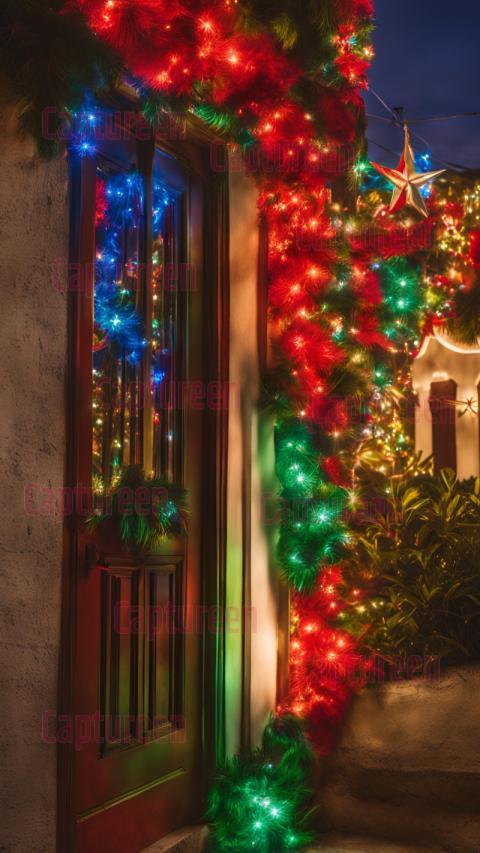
<point>119,658</point>
<point>149,691</point>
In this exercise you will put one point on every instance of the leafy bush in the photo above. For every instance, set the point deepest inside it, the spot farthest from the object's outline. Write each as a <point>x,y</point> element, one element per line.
<point>418,562</point>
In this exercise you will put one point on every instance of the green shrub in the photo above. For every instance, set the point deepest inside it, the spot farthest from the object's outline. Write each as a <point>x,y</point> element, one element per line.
<point>418,564</point>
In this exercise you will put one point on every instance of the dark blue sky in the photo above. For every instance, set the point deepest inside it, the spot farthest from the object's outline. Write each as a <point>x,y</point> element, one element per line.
<point>427,60</point>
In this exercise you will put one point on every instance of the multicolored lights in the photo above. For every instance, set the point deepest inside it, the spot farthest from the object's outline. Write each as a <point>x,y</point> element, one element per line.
<point>338,316</point>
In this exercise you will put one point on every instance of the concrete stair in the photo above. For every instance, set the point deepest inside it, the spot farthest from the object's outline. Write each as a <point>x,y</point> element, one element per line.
<point>407,767</point>
<point>352,844</point>
<point>191,839</point>
<point>194,840</point>
<point>405,777</point>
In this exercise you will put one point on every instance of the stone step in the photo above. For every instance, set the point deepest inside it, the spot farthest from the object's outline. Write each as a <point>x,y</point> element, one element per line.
<point>191,839</point>
<point>356,844</point>
<point>194,840</point>
<point>407,765</point>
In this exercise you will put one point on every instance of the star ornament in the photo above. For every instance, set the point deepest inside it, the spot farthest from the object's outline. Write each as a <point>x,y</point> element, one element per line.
<point>407,181</point>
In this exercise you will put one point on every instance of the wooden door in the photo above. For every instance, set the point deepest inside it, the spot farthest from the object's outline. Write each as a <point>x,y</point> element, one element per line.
<point>134,621</point>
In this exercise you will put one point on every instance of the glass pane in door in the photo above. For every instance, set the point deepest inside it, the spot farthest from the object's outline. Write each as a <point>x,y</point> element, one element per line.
<point>119,338</point>
<point>168,328</point>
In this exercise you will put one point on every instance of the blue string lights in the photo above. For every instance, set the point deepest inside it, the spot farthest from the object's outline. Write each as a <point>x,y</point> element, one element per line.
<point>119,208</point>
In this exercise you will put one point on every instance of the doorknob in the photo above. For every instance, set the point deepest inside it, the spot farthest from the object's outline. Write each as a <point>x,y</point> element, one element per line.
<point>91,561</point>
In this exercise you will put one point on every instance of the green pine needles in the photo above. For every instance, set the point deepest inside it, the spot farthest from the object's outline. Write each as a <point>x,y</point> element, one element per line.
<point>261,801</point>
<point>404,299</point>
<point>225,123</point>
<point>141,510</point>
<point>311,529</point>
<point>312,534</point>
<point>297,460</point>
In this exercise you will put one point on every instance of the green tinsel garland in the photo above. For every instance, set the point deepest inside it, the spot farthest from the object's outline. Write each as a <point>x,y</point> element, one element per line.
<point>403,299</point>
<point>261,801</point>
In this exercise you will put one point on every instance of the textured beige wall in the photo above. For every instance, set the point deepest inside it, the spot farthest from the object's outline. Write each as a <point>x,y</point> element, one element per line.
<point>245,436</point>
<point>408,763</point>
<point>33,233</point>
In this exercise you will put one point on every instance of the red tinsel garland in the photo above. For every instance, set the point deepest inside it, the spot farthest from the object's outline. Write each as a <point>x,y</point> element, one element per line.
<point>182,48</point>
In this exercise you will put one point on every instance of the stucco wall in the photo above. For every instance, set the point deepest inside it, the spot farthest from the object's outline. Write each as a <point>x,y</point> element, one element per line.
<point>33,233</point>
<point>250,458</point>
<point>408,764</point>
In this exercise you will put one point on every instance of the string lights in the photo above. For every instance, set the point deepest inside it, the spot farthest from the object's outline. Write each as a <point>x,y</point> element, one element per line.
<point>326,307</point>
<point>282,81</point>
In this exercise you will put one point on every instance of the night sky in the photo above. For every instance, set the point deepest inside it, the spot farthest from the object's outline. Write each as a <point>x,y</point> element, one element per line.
<point>428,61</point>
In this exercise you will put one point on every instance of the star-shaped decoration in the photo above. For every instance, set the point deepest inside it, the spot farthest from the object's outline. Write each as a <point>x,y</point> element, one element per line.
<point>407,181</point>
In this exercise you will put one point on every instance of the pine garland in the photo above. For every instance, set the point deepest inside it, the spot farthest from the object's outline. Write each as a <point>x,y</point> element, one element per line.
<point>224,123</point>
<point>261,800</point>
<point>141,510</point>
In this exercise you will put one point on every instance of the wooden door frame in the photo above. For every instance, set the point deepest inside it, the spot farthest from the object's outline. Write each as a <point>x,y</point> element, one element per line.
<point>195,151</point>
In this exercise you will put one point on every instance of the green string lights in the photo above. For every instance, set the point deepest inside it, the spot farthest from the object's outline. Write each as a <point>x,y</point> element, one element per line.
<point>404,301</point>
<point>261,801</point>
<point>311,532</point>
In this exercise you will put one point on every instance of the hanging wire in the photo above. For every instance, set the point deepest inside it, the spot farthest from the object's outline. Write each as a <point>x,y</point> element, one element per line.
<point>425,142</point>
<point>395,120</point>
<point>397,123</point>
<point>444,118</point>
<point>418,119</point>
<point>383,147</point>
<point>381,118</point>
<point>455,167</point>
<point>388,109</point>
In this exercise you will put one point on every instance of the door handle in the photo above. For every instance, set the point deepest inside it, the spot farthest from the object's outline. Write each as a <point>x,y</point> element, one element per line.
<point>92,560</point>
